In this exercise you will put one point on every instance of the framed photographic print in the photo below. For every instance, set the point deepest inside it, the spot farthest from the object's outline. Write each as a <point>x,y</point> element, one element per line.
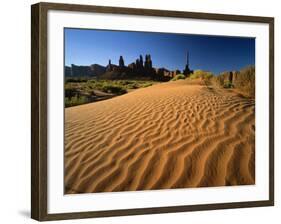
<point>138,111</point>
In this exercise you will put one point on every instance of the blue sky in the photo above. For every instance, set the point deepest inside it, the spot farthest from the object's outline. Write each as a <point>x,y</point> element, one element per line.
<point>212,53</point>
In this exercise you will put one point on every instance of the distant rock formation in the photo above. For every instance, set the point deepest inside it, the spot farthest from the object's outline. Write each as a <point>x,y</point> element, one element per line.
<point>148,62</point>
<point>141,61</point>
<point>97,69</point>
<point>162,72</point>
<point>67,71</point>
<point>138,64</point>
<point>81,70</point>
<point>109,66</point>
<point>166,74</point>
<point>187,70</point>
<point>140,69</point>
<point>121,62</point>
<point>84,71</point>
<point>132,66</point>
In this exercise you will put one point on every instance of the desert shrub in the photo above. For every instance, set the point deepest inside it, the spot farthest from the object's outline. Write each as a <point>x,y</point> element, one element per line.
<point>179,76</point>
<point>131,85</point>
<point>76,100</point>
<point>193,76</point>
<point>147,84</point>
<point>71,92</point>
<point>208,75</point>
<point>77,93</point>
<point>224,79</point>
<point>245,80</point>
<point>125,82</point>
<point>218,81</point>
<point>228,85</point>
<point>201,74</point>
<point>75,80</point>
<point>114,89</point>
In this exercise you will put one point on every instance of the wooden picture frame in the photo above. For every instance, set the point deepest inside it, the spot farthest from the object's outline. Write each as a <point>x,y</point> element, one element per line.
<point>39,109</point>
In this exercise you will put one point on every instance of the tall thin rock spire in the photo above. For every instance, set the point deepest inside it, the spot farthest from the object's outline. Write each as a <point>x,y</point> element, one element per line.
<point>187,59</point>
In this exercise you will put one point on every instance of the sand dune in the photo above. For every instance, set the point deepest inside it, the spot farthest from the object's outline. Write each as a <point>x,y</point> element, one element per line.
<point>171,135</point>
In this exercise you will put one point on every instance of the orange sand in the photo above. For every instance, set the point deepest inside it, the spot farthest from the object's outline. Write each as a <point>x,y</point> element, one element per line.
<point>170,135</point>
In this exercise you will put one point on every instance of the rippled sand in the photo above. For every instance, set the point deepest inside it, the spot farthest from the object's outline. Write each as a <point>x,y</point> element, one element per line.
<point>170,135</point>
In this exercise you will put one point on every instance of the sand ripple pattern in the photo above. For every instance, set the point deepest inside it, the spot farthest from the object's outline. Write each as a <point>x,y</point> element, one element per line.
<point>171,135</point>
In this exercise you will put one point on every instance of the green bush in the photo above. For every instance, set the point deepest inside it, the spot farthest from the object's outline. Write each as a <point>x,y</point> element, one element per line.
<point>201,74</point>
<point>132,85</point>
<point>147,84</point>
<point>77,93</point>
<point>179,76</point>
<point>70,92</point>
<point>114,89</point>
<point>76,100</point>
<point>228,85</point>
<point>193,76</point>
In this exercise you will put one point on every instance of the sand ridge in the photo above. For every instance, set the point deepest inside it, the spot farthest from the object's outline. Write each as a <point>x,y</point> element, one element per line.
<point>170,135</point>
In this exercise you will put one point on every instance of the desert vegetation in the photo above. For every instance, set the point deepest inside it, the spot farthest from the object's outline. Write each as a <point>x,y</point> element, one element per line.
<point>242,81</point>
<point>82,90</point>
<point>179,76</point>
<point>201,74</point>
